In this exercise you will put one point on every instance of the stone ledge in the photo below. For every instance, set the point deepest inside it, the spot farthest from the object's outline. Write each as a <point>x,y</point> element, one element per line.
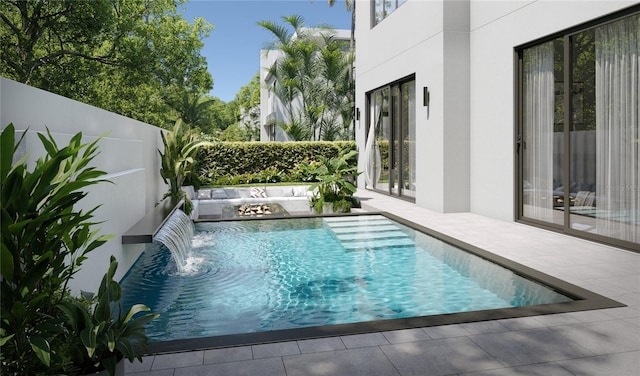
<point>146,228</point>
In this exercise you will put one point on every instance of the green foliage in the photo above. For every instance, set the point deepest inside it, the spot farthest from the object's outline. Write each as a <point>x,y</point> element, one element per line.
<point>193,107</point>
<point>224,163</point>
<point>316,70</point>
<point>134,57</point>
<point>336,183</point>
<point>177,160</point>
<point>101,337</point>
<point>45,240</point>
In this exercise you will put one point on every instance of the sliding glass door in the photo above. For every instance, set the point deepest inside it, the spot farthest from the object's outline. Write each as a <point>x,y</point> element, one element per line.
<point>390,148</point>
<point>578,136</point>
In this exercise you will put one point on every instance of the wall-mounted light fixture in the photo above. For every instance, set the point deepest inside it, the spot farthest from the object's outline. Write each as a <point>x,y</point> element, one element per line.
<point>357,113</point>
<point>426,99</point>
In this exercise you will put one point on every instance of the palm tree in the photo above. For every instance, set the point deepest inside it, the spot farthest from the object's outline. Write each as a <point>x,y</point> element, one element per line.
<point>312,71</point>
<point>192,108</point>
<point>351,6</point>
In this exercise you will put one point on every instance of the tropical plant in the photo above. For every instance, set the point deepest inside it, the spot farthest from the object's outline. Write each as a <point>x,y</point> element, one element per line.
<point>335,186</point>
<point>177,160</point>
<point>193,107</point>
<point>313,80</point>
<point>45,240</point>
<point>102,337</point>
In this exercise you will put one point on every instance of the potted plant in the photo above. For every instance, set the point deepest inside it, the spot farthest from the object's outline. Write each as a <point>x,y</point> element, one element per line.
<point>177,160</point>
<point>45,240</point>
<point>335,188</point>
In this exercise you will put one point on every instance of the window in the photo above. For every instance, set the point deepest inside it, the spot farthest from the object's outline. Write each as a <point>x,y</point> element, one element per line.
<point>383,8</point>
<point>390,149</point>
<point>578,133</point>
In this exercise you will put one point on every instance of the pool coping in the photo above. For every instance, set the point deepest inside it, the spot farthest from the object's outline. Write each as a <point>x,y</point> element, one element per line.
<point>585,300</point>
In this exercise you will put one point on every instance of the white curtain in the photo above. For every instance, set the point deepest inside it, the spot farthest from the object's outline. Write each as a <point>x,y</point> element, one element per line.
<point>369,155</point>
<point>617,131</point>
<point>538,106</point>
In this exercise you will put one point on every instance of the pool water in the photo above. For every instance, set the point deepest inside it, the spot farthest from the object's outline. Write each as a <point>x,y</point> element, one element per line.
<point>265,275</point>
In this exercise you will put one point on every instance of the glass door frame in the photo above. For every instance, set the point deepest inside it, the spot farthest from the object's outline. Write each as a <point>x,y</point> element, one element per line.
<point>396,164</point>
<point>519,143</point>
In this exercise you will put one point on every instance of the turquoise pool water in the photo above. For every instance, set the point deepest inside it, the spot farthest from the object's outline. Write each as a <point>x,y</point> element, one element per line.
<point>253,276</point>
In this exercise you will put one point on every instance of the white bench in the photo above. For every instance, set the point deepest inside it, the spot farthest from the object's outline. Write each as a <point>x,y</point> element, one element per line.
<point>211,201</point>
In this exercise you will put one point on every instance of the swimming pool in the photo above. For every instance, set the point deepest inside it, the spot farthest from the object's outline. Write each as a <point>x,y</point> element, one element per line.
<point>270,276</point>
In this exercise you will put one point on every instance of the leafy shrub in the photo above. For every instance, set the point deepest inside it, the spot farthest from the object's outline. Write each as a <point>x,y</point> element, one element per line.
<point>225,163</point>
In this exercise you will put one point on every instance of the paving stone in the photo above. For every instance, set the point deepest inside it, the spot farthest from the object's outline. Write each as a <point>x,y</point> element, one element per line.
<point>484,327</point>
<point>546,369</point>
<point>160,372</point>
<point>175,360</point>
<point>446,331</point>
<point>406,335</point>
<point>321,344</point>
<point>262,367</point>
<point>603,337</point>
<point>364,340</point>
<point>136,366</point>
<point>230,354</point>
<point>529,346</point>
<point>275,349</point>
<point>621,364</point>
<point>365,361</point>
<point>439,357</point>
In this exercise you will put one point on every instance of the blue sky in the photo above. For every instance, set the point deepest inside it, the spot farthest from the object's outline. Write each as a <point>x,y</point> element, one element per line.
<point>233,48</point>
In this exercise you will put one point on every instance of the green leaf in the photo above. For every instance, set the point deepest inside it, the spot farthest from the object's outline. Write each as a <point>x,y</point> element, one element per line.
<point>4,340</point>
<point>137,308</point>
<point>41,348</point>
<point>89,339</point>
<point>7,144</point>
<point>6,262</point>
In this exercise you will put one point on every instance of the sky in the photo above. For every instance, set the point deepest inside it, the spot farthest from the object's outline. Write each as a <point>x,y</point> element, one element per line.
<point>233,48</point>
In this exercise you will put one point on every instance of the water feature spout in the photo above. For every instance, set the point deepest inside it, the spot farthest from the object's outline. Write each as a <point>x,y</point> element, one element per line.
<point>176,234</point>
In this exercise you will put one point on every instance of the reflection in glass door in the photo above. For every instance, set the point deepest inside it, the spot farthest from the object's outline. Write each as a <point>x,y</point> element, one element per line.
<point>578,148</point>
<point>390,147</point>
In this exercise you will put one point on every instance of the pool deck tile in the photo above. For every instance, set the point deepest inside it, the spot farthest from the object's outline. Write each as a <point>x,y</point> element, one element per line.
<point>364,340</point>
<point>620,364</point>
<point>544,369</point>
<point>270,350</point>
<point>321,344</point>
<point>365,361</point>
<point>267,367</point>
<point>597,342</point>
<point>447,331</point>
<point>517,348</point>
<point>406,335</point>
<point>176,360</point>
<point>439,357</point>
<point>230,354</point>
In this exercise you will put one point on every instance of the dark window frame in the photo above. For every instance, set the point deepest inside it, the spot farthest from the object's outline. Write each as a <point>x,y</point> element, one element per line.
<point>397,83</point>
<point>567,35</point>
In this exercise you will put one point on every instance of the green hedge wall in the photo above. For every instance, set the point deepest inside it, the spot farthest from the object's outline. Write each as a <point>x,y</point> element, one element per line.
<point>251,162</point>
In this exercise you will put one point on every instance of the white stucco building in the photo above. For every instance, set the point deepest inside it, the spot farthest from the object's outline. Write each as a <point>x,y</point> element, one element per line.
<point>516,110</point>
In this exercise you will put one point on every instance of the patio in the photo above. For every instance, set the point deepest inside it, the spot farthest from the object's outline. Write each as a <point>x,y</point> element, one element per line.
<point>595,342</point>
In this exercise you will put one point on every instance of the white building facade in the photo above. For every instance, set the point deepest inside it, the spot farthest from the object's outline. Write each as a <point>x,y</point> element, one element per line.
<point>516,110</point>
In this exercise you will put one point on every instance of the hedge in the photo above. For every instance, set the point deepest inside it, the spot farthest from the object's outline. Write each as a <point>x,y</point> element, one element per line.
<point>247,162</point>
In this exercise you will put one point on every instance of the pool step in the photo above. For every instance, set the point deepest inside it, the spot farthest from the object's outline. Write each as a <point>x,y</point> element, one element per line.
<point>368,233</point>
<point>369,245</point>
<point>356,230</point>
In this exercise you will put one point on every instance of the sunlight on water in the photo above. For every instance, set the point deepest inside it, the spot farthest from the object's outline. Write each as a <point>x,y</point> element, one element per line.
<point>264,275</point>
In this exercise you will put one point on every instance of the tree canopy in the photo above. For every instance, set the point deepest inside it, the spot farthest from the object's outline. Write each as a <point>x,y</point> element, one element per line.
<point>138,58</point>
